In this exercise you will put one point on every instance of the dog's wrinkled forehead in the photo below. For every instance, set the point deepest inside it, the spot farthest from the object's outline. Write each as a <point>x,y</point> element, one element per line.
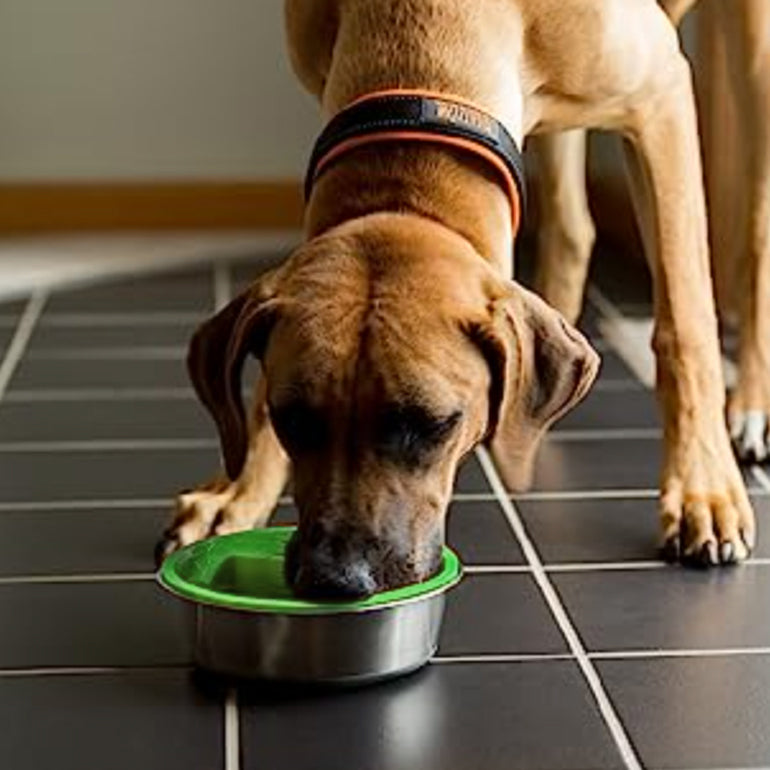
<point>373,339</point>
<point>383,314</point>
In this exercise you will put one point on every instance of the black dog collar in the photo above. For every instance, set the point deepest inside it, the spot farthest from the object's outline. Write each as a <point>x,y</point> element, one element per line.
<point>418,116</point>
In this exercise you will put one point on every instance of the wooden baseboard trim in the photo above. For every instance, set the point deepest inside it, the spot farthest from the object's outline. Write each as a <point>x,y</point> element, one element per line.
<point>38,208</point>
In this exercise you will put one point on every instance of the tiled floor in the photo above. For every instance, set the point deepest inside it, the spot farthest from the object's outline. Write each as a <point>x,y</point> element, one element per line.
<point>568,645</point>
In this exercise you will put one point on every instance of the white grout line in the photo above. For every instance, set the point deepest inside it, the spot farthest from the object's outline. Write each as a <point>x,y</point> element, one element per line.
<point>232,732</point>
<point>605,434</point>
<point>678,653</point>
<point>21,337</point>
<point>472,497</point>
<point>496,569</point>
<point>42,506</point>
<point>588,494</point>
<point>135,318</point>
<point>124,577</point>
<point>606,566</point>
<point>223,287</point>
<point>119,353</point>
<point>560,615</point>
<point>107,445</point>
<point>98,394</point>
<point>10,673</point>
<point>522,658</point>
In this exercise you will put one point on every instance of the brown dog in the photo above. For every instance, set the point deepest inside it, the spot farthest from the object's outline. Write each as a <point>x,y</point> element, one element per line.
<point>393,341</point>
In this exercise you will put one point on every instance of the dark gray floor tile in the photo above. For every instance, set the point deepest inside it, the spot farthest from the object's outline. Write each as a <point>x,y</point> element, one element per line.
<point>500,613</point>
<point>471,478</point>
<point>153,720</point>
<point>39,373</point>
<point>6,335</point>
<point>80,542</point>
<point>614,368</point>
<point>592,530</point>
<point>607,530</point>
<point>448,717</point>
<point>669,608</point>
<point>13,307</point>
<point>480,534</point>
<point>603,409</point>
<point>695,712</point>
<point>93,419</point>
<point>92,624</point>
<point>615,464</point>
<point>55,337</point>
<point>191,290</point>
<point>36,476</point>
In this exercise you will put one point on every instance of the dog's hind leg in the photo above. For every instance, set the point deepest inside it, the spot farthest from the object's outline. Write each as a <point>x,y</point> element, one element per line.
<point>223,506</point>
<point>566,231</point>
<point>746,27</point>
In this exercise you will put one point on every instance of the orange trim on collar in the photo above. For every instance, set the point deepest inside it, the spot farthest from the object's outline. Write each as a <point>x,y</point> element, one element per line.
<point>413,115</point>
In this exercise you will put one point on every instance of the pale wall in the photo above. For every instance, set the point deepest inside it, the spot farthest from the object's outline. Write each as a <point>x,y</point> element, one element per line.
<point>148,89</point>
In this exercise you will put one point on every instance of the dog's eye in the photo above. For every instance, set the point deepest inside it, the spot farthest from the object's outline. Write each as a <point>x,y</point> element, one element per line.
<point>299,427</point>
<point>409,434</point>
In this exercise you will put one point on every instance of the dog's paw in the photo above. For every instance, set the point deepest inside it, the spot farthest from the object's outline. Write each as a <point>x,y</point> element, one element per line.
<point>748,410</point>
<point>750,435</point>
<point>213,509</point>
<point>706,515</point>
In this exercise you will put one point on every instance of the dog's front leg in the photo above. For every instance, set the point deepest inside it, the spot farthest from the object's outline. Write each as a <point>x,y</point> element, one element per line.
<point>224,506</point>
<point>705,512</point>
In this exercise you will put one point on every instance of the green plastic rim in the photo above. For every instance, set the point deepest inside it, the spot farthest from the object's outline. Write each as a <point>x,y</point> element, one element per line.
<point>244,572</point>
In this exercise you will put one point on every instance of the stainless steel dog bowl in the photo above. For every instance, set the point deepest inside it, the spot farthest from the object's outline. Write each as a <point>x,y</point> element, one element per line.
<point>248,624</point>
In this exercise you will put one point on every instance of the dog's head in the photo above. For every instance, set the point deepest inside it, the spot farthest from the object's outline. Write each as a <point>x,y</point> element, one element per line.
<point>390,349</point>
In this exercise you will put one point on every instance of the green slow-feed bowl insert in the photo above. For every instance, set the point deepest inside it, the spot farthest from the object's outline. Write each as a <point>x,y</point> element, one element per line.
<point>244,571</point>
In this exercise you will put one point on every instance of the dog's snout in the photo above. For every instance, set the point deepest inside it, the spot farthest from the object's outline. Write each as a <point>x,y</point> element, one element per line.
<point>328,569</point>
<point>317,579</point>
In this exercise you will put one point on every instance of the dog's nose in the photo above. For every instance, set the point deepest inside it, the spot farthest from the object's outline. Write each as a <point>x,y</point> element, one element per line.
<point>325,572</point>
<point>342,582</point>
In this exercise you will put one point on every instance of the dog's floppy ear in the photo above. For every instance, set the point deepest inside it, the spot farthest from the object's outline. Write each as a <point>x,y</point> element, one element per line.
<point>540,368</point>
<point>216,357</point>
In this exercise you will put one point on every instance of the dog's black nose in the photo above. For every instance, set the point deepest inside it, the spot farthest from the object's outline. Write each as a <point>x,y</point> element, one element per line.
<point>327,572</point>
<point>343,582</point>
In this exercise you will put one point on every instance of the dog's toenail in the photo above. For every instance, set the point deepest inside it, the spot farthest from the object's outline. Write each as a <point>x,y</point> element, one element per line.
<point>727,553</point>
<point>708,554</point>
<point>670,549</point>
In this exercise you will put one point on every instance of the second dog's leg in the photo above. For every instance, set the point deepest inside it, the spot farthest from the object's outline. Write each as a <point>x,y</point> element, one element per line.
<point>225,506</point>
<point>706,515</point>
<point>746,26</point>
<point>566,235</point>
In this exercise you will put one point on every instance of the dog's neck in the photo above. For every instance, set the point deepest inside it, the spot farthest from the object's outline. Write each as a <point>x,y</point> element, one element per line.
<point>450,186</point>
